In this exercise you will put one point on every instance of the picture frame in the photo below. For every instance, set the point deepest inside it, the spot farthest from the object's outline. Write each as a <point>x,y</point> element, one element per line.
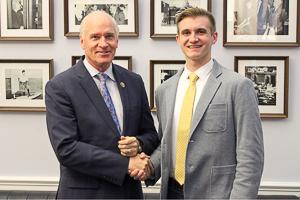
<point>252,23</point>
<point>270,76</point>
<point>123,61</point>
<point>125,13</point>
<point>162,15</point>
<point>160,71</point>
<point>22,84</point>
<point>26,20</point>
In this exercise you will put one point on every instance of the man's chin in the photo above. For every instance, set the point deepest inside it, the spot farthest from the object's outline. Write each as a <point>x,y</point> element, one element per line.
<point>105,59</point>
<point>194,56</point>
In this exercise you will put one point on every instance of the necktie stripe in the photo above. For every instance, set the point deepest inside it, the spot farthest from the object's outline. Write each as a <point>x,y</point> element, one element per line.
<point>107,99</point>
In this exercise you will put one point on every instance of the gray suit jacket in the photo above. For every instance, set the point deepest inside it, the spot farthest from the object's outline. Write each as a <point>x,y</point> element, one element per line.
<point>225,153</point>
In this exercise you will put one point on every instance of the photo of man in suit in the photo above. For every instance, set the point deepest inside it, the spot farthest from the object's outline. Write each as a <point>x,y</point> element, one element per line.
<point>17,15</point>
<point>209,122</point>
<point>98,119</point>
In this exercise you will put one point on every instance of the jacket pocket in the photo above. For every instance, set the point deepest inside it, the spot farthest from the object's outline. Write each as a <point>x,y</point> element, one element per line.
<point>221,180</point>
<point>215,119</point>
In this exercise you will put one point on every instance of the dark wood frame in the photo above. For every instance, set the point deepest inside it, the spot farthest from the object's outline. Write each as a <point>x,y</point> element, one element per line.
<point>33,38</point>
<point>28,108</point>
<point>128,58</point>
<point>152,77</point>
<point>67,33</point>
<point>284,114</point>
<point>226,43</point>
<point>152,21</point>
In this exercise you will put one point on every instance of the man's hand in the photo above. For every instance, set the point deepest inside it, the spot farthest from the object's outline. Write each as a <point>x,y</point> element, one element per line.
<point>142,174</point>
<point>129,146</point>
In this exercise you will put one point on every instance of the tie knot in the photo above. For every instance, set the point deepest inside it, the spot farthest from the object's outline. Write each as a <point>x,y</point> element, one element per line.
<point>103,77</point>
<point>193,77</point>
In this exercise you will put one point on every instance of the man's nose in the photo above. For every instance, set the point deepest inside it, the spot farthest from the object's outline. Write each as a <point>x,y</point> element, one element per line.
<point>194,37</point>
<point>102,42</point>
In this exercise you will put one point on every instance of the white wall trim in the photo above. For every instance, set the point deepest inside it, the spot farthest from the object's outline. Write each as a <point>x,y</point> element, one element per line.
<point>29,183</point>
<point>280,188</point>
<point>51,183</point>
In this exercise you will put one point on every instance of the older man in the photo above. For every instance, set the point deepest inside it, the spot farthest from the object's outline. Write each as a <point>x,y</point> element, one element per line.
<point>99,120</point>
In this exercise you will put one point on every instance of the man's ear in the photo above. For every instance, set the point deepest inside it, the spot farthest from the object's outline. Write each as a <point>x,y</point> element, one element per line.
<point>215,37</point>
<point>177,38</point>
<point>82,43</point>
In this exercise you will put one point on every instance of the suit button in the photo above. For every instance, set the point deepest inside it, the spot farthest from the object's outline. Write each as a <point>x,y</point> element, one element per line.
<point>192,141</point>
<point>190,168</point>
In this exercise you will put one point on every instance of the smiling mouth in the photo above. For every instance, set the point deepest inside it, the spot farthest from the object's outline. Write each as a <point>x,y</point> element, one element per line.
<point>103,52</point>
<point>194,46</point>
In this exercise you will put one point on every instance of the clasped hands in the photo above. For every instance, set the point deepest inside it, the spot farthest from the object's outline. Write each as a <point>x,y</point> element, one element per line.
<point>140,166</point>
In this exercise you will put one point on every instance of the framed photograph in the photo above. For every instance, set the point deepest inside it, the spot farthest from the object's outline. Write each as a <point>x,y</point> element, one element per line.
<point>123,61</point>
<point>270,76</point>
<point>22,84</point>
<point>160,71</point>
<point>162,15</point>
<point>125,12</point>
<point>26,20</point>
<point>261,23</point>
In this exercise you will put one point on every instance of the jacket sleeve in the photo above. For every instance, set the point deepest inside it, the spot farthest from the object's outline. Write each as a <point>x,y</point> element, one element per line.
<point>249,142</point>
<point>156,156</point>
<point>147,132</point>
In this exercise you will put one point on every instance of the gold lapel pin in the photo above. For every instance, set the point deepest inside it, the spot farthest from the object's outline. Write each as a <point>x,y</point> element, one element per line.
<point>122,84</point>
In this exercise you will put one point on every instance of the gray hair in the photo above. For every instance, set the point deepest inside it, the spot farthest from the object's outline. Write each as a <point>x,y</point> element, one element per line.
<point>94,13</point>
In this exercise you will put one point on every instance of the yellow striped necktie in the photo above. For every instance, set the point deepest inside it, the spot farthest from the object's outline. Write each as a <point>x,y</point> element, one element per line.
<point>184,126</point>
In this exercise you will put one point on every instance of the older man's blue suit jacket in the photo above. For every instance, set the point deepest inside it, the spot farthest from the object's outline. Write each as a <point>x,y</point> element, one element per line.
<point>85,138</point>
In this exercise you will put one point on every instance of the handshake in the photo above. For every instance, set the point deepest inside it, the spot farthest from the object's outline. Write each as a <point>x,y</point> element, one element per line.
<point>140,166</point>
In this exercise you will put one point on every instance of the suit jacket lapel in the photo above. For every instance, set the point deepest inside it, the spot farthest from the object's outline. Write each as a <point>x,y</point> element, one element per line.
<point>92,91</point>
<point>207,95</point>
<point>171,89</point>
<point>122,86</point>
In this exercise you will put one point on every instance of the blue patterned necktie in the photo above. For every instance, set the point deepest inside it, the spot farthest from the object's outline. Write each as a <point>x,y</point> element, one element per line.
<point>107,98</point>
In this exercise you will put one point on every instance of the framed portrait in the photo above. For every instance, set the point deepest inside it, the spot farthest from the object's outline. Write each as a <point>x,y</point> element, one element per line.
<point>270,78</point>
<point>22,84</point>
<point>125,12</point>
<point>162,15</point>
<point>26,20</point>
<point>160,71</point>
<point>123,61</point>
<point>261,23</point>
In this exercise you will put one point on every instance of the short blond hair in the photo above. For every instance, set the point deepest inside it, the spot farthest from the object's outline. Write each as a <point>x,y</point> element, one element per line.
<point>196,12</point>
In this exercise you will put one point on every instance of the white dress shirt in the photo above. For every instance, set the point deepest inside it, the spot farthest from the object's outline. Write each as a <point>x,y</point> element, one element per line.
<point>203,73</point>
<point>112,87</point>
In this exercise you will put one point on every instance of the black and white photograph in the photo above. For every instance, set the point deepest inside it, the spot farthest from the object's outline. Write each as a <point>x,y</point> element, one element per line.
<point>118,11</point>
<point>26,20</point>
<point>263,17</point>
<point>160,71</point>
<point>163,14</point>
<point>261,22</point>
<point>264,79</point>
<point>270,80</point>
<point>166,74</point>
<point>22,84</point>
<point>123,61</point>
<point>24,14</point>
<point>123,11</point>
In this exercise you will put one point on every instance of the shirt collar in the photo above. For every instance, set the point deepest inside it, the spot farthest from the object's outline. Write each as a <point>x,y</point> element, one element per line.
<point>202,72</point>
<point>93,71</point>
